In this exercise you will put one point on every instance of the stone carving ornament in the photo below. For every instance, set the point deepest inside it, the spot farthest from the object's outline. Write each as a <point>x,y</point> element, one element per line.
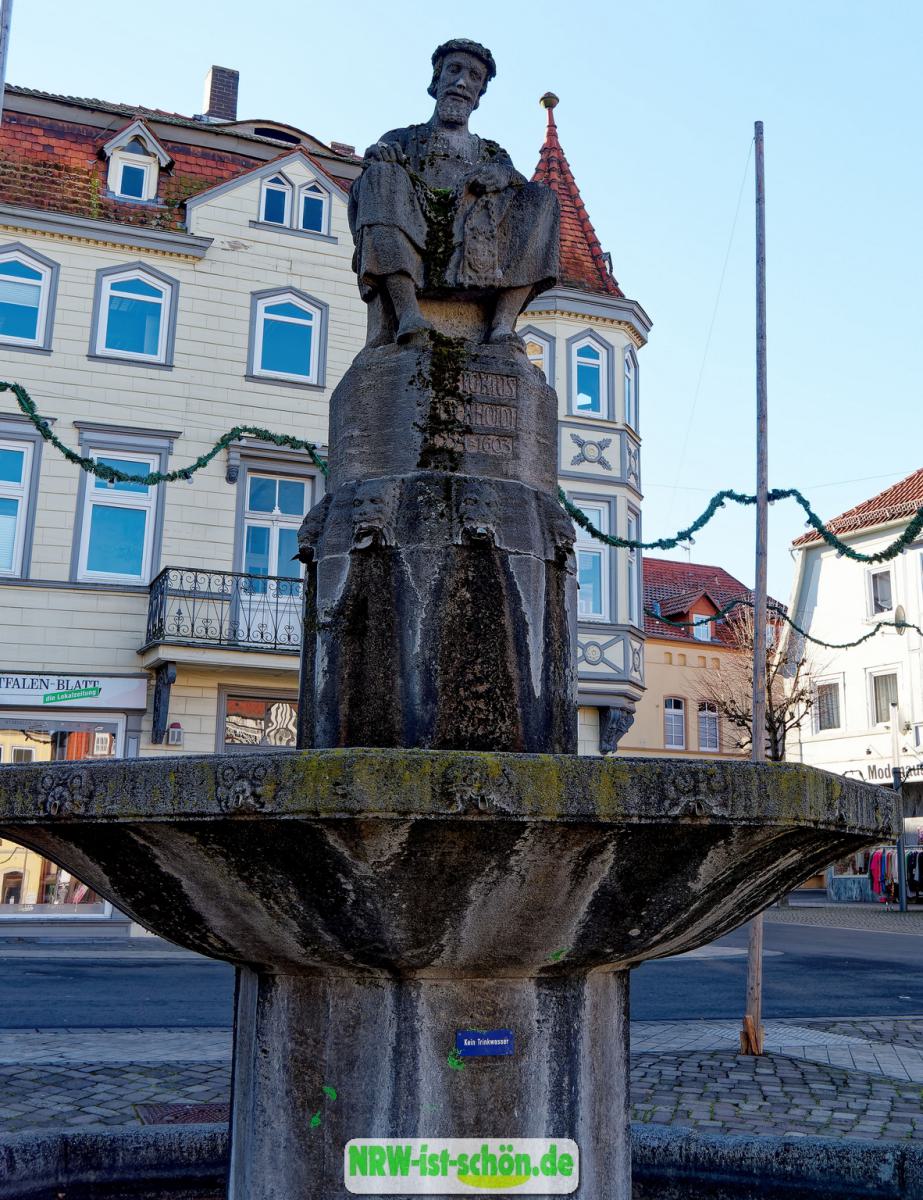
<point>240,789</point>
<point>65,793</point>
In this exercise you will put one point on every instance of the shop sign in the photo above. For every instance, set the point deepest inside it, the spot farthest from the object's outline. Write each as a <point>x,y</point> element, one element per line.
<point>74,691</point>
<point>880,772</point>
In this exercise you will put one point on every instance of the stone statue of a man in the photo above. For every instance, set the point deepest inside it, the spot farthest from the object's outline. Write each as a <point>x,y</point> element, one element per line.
<point>439,210</point>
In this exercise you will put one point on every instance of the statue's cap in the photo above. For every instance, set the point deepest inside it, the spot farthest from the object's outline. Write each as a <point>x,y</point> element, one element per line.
<point>464,46</point>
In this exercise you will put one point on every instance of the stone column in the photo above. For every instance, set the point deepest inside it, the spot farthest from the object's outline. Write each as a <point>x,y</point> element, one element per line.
<point>384,1044</point>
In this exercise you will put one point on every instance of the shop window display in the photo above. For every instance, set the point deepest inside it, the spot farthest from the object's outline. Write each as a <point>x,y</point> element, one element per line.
<point>30,884</point>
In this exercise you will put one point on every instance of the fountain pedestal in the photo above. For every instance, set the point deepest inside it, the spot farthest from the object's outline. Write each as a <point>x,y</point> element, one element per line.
<point>379,901</point>
<point>383,1046</point>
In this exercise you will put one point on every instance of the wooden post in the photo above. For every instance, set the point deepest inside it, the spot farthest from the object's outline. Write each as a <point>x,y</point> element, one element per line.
<point>751,1037</point>
<point>897,785</point>
<point>6,16</point>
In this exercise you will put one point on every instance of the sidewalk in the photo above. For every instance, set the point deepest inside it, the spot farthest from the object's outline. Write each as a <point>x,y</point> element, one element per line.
<point>836,1078</point>
<point>860,1079</point>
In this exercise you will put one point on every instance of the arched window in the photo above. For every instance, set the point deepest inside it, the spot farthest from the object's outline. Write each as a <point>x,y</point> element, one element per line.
<point>314,205</point>
<point>709,738</point>
<point>27,284</point>
<point>589,376</point>
<point>135,314</point>
<point>287,337</point>
<point>630,370</point>
<point>589,380</point>
<point>276,201</point>
<point>674,723</point>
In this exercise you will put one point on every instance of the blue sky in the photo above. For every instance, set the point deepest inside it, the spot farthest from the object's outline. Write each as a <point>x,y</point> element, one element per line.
<point>657,108</point>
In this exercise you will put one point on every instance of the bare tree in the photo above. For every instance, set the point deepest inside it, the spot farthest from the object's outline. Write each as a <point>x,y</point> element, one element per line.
<point>789,691</point>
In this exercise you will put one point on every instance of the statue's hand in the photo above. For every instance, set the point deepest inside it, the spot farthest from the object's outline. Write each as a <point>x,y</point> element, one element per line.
<point>490,177</point>
<point>389,152</point>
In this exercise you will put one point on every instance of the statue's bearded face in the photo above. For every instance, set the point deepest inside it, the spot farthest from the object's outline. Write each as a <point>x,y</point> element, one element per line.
<point>461,81</point>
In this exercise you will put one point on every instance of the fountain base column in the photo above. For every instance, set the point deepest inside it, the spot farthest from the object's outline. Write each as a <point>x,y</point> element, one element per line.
<point>385,1046</point>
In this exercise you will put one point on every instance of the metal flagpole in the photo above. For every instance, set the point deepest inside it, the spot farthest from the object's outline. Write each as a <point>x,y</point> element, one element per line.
<point>751,1037</point>
<point>6,16</point>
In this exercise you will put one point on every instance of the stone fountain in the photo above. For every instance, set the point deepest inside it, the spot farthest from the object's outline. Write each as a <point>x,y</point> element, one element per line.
<point>436,858</point>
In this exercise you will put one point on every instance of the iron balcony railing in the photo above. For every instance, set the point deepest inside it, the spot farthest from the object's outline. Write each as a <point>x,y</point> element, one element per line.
<point>225,608</point>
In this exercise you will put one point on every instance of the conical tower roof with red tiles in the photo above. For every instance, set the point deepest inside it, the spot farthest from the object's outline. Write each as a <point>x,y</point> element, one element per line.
<point>583,263</point>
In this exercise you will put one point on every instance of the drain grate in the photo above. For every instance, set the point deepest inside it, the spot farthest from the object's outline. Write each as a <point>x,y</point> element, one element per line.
<point>183,1114</point>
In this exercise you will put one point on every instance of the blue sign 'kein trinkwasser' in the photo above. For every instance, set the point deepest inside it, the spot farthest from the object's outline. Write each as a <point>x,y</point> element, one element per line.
<point>470,1042</point>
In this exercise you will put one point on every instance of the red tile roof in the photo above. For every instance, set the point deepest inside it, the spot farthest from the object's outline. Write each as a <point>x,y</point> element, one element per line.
<point>55,164</point>
<point>900,500</point>
<point>583,263</point>
<point>674,587</point>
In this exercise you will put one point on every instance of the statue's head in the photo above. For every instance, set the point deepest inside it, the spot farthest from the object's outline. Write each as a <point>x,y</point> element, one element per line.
<point>461,73</point>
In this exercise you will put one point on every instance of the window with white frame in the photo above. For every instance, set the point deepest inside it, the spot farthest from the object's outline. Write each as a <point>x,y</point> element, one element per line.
<point>593,566</point>
<point>884,694</point>
<point>286,338</point>
<point>634,562</point>
<point>22,754</point>
<point>701,628</point>
<point>26,284</point>
<point>102,743</point>
<point>674,723</point>
<point>134,315</point>
<point>312,215</point>
<point>588,369</point>
<point>273,510</point>
<point>305,207</point>
<point>276,201</point>
<point>827,706</point>
<point>134,172</point>
<point>631,390</point>
<point>136,158</point>
<point>709,736</point>
<point>881,599</point>
<point>117,527</point>
<point>15,480</point>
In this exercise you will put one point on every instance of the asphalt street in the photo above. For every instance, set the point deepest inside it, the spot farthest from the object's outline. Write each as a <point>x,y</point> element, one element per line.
<point>808,972</point>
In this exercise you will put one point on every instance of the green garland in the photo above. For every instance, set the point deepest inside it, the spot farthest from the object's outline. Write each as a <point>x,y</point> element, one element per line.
<point>114,475</point>
<point>898,546</point>
<point>745,602</point>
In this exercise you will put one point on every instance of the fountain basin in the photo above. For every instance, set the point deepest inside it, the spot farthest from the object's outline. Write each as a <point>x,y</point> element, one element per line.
<point>436,862</point>
<point>377,902</point>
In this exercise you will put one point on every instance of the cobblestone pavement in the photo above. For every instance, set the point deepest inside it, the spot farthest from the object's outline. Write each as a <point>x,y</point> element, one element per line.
<point>683,1073</point>
<point>81,1095</point>
<point>849,916</point>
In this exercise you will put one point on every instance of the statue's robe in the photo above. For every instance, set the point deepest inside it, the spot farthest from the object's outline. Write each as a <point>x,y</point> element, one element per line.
<point>418,220</point>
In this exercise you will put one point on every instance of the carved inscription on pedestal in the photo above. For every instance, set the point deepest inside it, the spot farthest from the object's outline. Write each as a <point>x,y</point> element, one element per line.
<point>481,423</point>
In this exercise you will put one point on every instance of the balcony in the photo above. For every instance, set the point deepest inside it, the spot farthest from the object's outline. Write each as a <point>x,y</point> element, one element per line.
<point>224,610</point>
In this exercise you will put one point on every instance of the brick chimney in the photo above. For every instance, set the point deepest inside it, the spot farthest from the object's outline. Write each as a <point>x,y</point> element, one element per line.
<point>220,101</point>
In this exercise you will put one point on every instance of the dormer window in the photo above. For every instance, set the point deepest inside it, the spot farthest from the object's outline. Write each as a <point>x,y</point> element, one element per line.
<point>136,158</point>
<point>134,172</point>
<point>276,202</point>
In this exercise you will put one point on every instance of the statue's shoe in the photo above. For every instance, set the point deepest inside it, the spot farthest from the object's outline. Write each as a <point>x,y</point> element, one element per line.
<point>410,327</point>
<point>504,335</point>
